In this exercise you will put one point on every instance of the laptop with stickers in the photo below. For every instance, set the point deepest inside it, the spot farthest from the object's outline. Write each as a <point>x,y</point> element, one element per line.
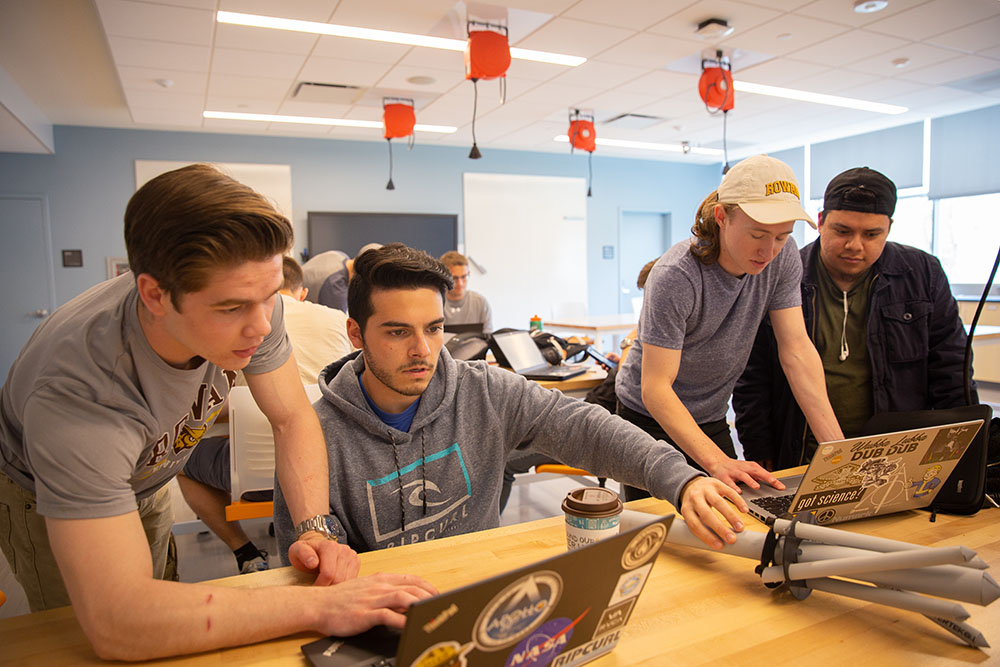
<point>563,611</point>
<point>869,475</point>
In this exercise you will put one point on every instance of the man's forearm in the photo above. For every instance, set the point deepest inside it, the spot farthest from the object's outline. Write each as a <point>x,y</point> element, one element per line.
<point>804,371</point>
<point>303,467</point>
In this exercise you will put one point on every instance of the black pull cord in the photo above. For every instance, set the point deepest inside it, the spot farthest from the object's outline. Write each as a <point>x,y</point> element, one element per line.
<point>474,154</point>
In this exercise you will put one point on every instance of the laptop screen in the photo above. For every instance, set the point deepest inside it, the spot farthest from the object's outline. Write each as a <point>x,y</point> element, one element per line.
<point>520,349</point>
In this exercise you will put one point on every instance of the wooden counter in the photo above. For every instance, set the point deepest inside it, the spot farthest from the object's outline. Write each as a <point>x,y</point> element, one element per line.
<point>698,607</point>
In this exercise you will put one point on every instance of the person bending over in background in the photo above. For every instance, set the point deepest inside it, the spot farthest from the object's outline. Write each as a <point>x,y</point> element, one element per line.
<point>702,298</point>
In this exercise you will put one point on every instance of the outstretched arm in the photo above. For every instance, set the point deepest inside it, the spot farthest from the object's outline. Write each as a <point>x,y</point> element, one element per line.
<point>804,370</point>
<point>659,370</point>
<point>303,470</point>
<point>128,615</point>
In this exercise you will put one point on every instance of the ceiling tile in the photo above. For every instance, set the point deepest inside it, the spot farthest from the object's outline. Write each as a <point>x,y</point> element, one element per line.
<point>159,116</point>
<point>740,16</point>
<point>841,11</point>
<point>311,109</point>
<point>613,102</point>
<point>634,14</point>
<point>247,104</point>
<point>533,71</point>
<point>833,81</point>
<point>345,72</point>
<point>599,74</point>
<point>661,82</point>
<point>771,36</point>
<point>234,126</point>
<point>256,63</point>
<point>303,10</point>
<point>146,53</point>
<point>779,72</point>
<point>935,17</point>
<point>575,38</point>
<point>160,22</point>
<point>417,17</point>
<point>298,129</point>
<point>435,58</point>
<point>360,49</point>
<point>152,99</point>
<point>249,38</point>
<point>920,55</point>
<point>231,85</point>
<point>142,78</point>
<point>444,80</point>
<point>981,35</point>
<point>649,50</point>
<point>956,69</point>
<point>847,47</point>
<point>455,107</point>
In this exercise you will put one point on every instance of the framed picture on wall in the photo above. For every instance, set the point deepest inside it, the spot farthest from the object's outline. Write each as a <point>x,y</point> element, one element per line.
<point>116,266</point>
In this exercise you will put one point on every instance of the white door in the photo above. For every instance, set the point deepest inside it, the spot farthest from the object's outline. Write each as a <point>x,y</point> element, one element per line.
<point>26,276</point>
<point>643,236</point>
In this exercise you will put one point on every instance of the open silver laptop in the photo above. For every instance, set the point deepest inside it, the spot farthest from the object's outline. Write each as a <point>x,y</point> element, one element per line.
<point>562,611</point>
<point>869,475</point>
<point>521,354</point>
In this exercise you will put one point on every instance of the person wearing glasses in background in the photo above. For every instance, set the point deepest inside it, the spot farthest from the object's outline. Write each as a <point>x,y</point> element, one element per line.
<point>462,305</point>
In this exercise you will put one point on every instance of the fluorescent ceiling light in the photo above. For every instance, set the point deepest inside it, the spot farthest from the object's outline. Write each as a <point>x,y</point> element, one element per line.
<point>409,39</point>
<point>818,98</point>
<point>646,146</point>
<point>316,120</point>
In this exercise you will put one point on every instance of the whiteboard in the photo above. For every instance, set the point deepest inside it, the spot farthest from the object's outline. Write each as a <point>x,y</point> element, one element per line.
<point>274,181</point>
<point>529,234</point>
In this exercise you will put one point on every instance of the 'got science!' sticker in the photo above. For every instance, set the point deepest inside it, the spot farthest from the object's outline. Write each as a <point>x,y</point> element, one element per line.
<point>542,646</point>
<point>517,610</point>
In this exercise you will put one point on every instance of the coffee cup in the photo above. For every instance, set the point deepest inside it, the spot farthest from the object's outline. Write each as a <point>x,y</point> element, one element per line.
<point>592,514</point>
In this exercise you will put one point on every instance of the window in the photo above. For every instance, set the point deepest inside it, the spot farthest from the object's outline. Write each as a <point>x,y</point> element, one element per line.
<point>966,239</point>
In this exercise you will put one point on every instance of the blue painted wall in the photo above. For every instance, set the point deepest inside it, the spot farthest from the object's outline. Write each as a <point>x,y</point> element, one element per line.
<point>90,178</point>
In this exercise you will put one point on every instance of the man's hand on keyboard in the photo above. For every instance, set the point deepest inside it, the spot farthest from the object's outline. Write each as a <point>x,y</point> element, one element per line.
<point>731,471</point>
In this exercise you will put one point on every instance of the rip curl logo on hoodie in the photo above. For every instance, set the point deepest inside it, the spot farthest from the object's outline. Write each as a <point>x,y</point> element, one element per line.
<point>446,490</point>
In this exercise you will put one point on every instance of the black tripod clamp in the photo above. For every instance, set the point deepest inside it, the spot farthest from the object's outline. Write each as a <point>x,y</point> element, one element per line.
<point>788,546</point>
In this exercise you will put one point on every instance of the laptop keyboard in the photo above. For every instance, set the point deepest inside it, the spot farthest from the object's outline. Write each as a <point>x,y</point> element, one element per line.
<point>776,505</point>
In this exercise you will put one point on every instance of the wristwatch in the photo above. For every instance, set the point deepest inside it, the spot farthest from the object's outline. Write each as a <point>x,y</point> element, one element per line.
<point>321,523</point>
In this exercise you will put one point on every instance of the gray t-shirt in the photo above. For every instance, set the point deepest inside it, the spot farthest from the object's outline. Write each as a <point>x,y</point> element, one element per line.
<point>472,308</point>
<point>712,317</point>
<point>92,419</point>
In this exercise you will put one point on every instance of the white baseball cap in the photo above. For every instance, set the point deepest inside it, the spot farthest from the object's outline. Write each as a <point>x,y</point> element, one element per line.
<point>766,189</point>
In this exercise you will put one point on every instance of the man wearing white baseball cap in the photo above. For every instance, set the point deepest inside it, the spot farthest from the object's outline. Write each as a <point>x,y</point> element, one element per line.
<point>704,300</point>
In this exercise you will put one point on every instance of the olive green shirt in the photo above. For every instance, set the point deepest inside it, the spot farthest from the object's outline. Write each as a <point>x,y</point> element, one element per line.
<point>848,380</point>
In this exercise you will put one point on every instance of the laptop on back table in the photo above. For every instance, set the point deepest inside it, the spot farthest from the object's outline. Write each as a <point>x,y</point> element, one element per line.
<point>563,611</point>
<point>519,352</point>
<point>869,475</point>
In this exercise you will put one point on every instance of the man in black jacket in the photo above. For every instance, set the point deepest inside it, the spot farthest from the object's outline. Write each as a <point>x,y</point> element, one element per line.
<point>881,315</point>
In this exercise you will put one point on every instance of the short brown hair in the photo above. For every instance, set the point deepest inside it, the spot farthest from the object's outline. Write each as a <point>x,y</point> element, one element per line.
<point>454,258</point>
<point>291,273</point>
<point>706,245</point>
<point>640,282</point>
<point>184,224</point>
<point>393,266</point>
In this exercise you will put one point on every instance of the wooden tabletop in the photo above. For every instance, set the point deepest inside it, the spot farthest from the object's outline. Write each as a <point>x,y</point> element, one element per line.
<point>594,376</point>
<point>699,607</point>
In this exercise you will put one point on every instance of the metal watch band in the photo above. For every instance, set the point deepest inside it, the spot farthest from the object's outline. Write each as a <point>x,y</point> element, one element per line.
<point>319,523</point>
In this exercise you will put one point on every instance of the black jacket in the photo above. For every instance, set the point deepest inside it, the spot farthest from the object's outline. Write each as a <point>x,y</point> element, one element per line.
<point>916,345</point>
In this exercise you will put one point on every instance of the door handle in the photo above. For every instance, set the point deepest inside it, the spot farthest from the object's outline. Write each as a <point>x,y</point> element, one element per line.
<point>40,313</point>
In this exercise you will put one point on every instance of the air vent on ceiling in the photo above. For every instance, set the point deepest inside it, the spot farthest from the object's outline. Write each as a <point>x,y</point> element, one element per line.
<point>632,121</point>
<point>981,83</point>
<point>326,93</point>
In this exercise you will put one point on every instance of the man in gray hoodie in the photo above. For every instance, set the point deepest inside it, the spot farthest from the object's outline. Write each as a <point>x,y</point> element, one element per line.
<point>417,440</point>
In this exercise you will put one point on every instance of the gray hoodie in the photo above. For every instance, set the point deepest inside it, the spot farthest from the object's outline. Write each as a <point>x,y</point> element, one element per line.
<point>444,477</point>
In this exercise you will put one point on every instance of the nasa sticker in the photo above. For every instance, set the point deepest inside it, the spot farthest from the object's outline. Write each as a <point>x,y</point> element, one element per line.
<point>542,646</point>
<point>644,546</point>
<point>517,610</point>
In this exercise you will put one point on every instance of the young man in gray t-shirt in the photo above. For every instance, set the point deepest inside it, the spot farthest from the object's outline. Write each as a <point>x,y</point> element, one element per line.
<point>704,301</point>
<point>108,398</point>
